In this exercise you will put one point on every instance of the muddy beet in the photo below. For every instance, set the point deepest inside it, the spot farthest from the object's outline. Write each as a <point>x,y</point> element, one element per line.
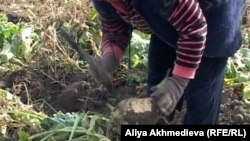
<point>137,111</point>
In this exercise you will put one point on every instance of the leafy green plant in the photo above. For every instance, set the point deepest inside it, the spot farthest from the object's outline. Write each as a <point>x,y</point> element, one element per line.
<point>138,52</point>
<point>17,41</point>
<point>73,126</point>
<point>238,70</point>
<point>136,76</point>
<point>136,58</point>
<point>32,125</point>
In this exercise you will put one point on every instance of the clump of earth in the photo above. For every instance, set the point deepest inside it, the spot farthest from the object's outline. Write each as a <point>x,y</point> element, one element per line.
<point>234,110</point>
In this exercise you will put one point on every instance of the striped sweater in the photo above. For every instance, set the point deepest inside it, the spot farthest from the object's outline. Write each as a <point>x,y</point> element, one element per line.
<point>188,20</point>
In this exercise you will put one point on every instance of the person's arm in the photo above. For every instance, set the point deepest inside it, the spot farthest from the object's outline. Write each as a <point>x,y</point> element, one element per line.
<point>188,20</point>
<point>116,37</point>
<point>116,32</point>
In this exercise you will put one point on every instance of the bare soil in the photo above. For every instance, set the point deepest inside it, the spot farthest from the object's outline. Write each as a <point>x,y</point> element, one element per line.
<point>80,93</point>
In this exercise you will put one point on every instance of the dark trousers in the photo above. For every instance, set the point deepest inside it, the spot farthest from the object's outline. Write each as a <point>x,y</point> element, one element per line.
<point>202,95</point>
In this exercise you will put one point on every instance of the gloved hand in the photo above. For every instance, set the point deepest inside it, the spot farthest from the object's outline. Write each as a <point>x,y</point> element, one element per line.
<point>102,69</point>
<point>167,93</point>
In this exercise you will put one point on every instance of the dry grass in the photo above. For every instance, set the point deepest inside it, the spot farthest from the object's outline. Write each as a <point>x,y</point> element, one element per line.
<point>52,62</point>
<point>45,15</point>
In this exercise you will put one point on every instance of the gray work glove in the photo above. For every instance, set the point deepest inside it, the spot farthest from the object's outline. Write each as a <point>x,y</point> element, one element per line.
<point>167,93</point>
<point>102,69</point>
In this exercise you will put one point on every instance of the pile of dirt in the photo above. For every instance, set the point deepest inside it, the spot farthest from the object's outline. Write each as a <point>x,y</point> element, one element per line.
<point>234,110</point>
<point>80,92</point>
